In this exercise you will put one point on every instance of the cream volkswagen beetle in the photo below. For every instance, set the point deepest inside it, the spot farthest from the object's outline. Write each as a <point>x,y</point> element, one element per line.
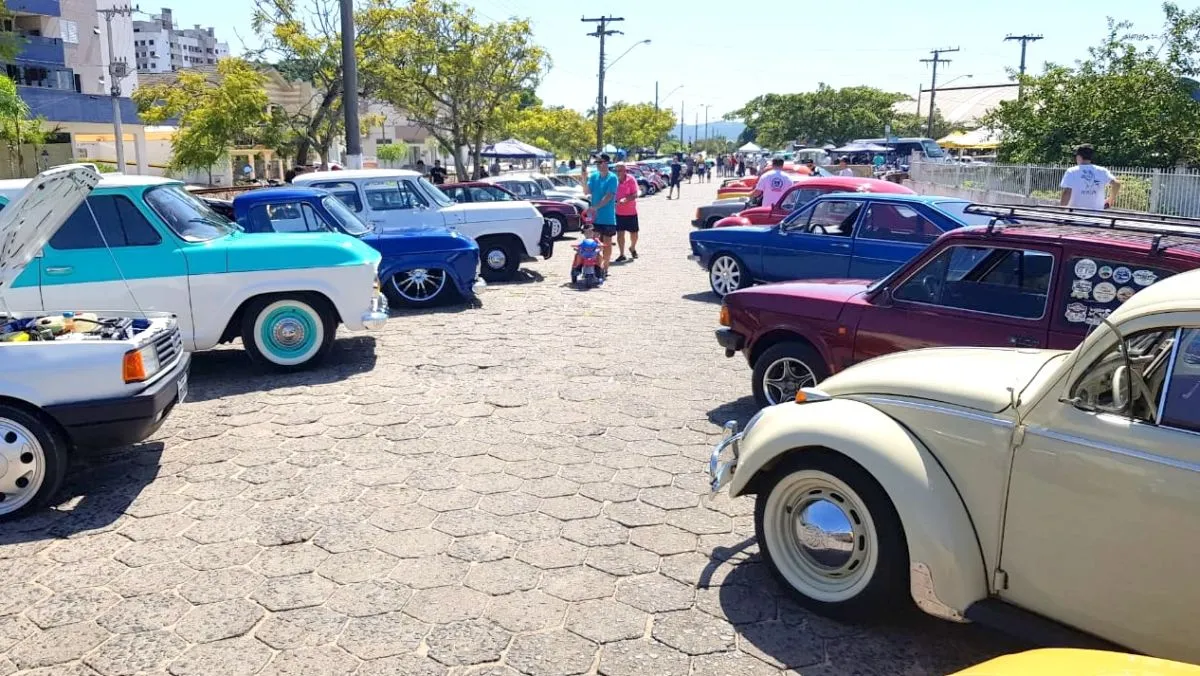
<point>1017,487</point>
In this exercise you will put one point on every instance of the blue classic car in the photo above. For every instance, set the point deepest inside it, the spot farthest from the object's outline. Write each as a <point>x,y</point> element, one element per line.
<point>420,266</point>
<point>839,235</point>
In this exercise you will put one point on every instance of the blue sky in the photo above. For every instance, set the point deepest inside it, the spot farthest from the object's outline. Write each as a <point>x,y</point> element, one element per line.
<point>724,53</point>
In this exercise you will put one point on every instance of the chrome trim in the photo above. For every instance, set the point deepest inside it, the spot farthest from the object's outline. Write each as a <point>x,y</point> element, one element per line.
<point>934,408</point>
<point>720,473</point>
<point>925,595</point>
<point>1119,450</point>
<point>375,318</point>
<point>1045,306</point>
<point>1162,400</point>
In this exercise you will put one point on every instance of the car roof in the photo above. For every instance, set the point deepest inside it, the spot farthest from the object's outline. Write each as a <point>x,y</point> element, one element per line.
<point>15,185</point>
<point>280,193</point>
<point>465,184</point>
<point>1180,247</point>
<point>892,196</point>
<point>352,174</point>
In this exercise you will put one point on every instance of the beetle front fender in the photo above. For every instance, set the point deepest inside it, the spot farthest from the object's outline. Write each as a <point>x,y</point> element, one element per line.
<point>946,562</point>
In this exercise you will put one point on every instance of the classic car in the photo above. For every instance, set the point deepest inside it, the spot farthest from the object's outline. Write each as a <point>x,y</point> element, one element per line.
<point>1030,285</point>
<point>567,183</point>
<point>561,216</point>
<point>72,381</point>
<point>1008,486</point>
<point>538,187</point>
<point>420,266</point>
<point>858,235</point>
<point>145,244</point>
<point>742,187</point>
<point>391,199</point>
<point>748,211</point>
<point>1078,662</point>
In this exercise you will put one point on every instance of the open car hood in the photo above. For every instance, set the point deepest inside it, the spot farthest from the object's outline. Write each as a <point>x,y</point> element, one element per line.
<point>30,220</point>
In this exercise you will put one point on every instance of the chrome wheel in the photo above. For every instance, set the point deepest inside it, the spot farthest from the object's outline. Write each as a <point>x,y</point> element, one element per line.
<point>556,226</point>
<point>784,378</point>
<point>820,536</point>
<point>725,275</point>
<point>22,466</point>
<point>496,259</point>
<point>419,285</point>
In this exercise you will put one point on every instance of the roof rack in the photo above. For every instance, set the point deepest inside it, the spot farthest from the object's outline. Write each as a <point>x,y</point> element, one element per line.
<point>1159,225</point>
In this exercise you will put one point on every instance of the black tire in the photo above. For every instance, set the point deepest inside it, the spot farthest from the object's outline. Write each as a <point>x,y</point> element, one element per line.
<point>437,288</point>
<point>558,225</point>
<point>14,424</point>
<point>800,351</point>
<point>712,220</point>
<point>501,267</point>
<point>743,276</point>
<point>885,593</point>
<point>309,312</point>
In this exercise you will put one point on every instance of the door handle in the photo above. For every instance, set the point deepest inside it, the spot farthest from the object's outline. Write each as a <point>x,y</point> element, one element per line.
<point>839,245</point>
<point>1022,341</point>
<point>60,270</point>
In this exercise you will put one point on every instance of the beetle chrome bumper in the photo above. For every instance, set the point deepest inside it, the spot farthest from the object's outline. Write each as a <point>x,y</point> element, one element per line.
<point>720,472</point>
<point>377,316</point>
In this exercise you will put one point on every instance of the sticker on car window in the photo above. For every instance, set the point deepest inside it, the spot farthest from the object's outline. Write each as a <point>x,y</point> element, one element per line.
<point>1081,288</point>
<point>1076,313</point>
<point>1100,286</point>
<point>1125,293</point>
<point>1105,272</point>
<point>1144,278</point>
<point>1104,293</point>
<point>1085,268</point>
<point>1122,275</point>
<point>1096,316</point>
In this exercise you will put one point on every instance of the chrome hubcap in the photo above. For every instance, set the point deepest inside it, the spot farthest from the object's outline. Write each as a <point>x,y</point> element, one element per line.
<point>289,332</point>
<point>496,259</point>
<point>22,466</point>
<point>556,227</point>
<point>419,284</point>
<point>784,378</point>
<point>726,275</point>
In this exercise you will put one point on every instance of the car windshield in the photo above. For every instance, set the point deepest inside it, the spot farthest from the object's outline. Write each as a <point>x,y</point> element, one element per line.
<point>435,193</point>
<point>957,209</point>
<point>186,215</point>
<point>544,183</point>
<point>932,149</point>
<point>348,220</point>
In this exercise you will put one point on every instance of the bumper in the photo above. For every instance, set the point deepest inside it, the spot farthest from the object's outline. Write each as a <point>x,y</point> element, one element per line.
<point>125,420</point>
<point>721,471</point>
<point>697,260</point>
<point>697,223</point>
<point>377,316</point>
<point>731,340</point>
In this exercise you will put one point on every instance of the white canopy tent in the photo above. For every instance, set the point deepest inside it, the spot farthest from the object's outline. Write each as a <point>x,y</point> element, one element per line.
<point>750,147</point>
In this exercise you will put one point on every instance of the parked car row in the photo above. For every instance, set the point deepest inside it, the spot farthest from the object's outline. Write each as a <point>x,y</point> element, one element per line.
<point>1033,467</point>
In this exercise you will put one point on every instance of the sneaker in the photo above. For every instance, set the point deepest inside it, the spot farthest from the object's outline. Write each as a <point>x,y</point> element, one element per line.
<point>633,252</point>
<point>619,259</point>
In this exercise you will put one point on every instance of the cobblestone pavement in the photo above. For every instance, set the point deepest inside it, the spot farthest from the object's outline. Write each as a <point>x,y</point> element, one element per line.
<point>511,489</point>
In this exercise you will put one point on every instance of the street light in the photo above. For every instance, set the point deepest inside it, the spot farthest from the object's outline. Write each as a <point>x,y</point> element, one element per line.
<point>706,107</point>
<point>953,80</point>
<point>664,99</point>
<point>631,48</point>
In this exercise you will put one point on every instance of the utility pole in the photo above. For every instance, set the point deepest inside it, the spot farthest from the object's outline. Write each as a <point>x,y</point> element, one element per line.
<point>118,68</point>
<point>682,143</point>
<point>656,96</point>
<point>350,88</point>
<point>1024,40</point>
<point>937,58</point>
<point>601,32</point>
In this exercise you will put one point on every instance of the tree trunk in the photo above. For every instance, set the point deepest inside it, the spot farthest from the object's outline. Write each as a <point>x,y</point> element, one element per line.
<point>476,149</point>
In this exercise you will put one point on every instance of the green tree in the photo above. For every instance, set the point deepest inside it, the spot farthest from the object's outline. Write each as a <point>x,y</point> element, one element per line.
<point>562,131</point>
<point>826,115</point>
<point>214,114</point>
<point>458,78</point>
<point>16,127</point>
<point>1129,99</point>
<point>392,152</point>
<point>10,42</point>
<point>637,125</point>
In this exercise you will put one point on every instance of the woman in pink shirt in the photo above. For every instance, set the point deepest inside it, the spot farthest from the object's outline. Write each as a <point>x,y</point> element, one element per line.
<point>627,216</point>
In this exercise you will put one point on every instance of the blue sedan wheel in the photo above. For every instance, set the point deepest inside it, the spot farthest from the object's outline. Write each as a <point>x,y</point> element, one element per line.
<point>726,275</point>
<point>418,286</point>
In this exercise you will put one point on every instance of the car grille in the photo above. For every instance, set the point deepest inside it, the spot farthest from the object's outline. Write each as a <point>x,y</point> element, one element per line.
<point>169,345</point>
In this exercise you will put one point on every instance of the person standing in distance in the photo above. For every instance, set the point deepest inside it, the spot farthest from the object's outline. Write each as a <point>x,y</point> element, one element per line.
<point>844,168</point>
<point>1086,185</point>
<point>676,176</point>
<point>627,216</point>
<point>601,187</point>
<point>772,184</point>
<point>438,173</point>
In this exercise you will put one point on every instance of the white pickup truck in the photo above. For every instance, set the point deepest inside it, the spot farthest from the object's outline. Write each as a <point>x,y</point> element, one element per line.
<point>72,381</point>
<point>391,199</point>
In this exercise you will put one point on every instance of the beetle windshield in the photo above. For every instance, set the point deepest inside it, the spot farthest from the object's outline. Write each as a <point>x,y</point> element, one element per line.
<point>186,215</point>
<point>350,223</point>
<point>435,193</point>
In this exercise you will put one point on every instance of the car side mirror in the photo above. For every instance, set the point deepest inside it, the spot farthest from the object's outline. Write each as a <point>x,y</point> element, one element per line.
<point>884,297</point>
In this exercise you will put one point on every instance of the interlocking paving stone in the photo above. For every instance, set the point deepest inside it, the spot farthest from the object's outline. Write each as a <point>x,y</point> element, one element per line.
<point>551,654</point>
<point>467,643</point>
<point>128,654</point>
<point>71,606</point>
<point>300,628</point>
<point>693,632</point>
<point>231,657</point>
<point>636,657</point>
<point>382,635</point>
<point>605,621</point>
<point>221,620</point>
<point>372,597</point>
<point>526,611</point>
<point>578,584</point>
<point>144,613</point>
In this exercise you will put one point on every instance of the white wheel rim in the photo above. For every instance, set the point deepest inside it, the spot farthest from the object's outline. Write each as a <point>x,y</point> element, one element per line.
<point>820,536</point>
<point>22,466</point>
<point>419,284</point>
<point>289,332</point>
<point>784,377</point>
<point>726,275</point>
<point>556,227</point>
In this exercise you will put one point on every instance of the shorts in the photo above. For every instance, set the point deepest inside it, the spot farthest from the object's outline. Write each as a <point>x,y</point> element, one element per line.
<point>605,230</point>
<point>675,181</point>
<point>627,223</point>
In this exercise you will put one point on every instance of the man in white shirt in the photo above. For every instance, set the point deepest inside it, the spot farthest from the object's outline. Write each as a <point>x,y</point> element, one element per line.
<point>844,168</point>
<point>1086,185</point>
<point>772,184</point>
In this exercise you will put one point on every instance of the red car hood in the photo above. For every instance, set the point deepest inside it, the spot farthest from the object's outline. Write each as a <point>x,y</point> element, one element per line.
<point>829,296</point>
<point>757,211</point>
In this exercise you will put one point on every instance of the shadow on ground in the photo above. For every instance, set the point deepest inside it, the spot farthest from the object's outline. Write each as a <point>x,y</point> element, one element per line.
<point>740,410</point>
<point>523,276</point>
<point>702,297</point>
<point>221,373</point>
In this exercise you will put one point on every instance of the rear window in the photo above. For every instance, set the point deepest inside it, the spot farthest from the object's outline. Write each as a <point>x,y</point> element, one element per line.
<point>1094,287</point>
<point>957,210</point>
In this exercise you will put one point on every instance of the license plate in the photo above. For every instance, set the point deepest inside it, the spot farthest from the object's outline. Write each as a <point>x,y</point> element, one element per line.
<point>182,386</point>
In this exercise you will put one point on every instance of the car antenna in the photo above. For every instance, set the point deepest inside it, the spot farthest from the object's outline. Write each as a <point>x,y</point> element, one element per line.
<point>113,256</point>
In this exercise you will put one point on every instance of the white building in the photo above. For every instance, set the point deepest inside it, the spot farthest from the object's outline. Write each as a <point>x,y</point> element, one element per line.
<point>161,47</point>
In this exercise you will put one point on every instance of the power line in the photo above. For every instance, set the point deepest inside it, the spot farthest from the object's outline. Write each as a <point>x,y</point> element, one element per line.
<point>1025,40</point>
<point>937,58</point>
<point>602,31</point>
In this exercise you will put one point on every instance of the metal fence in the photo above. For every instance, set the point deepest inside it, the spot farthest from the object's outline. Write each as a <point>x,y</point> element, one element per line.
<point>1175,192</point>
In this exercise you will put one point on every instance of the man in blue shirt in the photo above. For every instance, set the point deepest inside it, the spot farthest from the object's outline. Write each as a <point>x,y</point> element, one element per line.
<point>602,189</point>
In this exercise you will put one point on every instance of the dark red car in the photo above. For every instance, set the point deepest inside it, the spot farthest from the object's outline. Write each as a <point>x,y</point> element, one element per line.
<point>802,192</point>
<point>1042,283</point>
<point>561,216</point>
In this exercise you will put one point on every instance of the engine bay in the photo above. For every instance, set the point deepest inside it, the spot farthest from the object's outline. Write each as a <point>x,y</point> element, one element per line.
<point>68,326</point>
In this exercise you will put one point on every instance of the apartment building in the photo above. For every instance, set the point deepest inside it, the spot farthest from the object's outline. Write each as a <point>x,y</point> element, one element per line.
<point>162,47</point>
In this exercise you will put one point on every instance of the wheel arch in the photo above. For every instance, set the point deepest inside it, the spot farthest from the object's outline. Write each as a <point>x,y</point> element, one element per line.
<point>775,336</point>
<point>946,565</point>
<point>37,412</point>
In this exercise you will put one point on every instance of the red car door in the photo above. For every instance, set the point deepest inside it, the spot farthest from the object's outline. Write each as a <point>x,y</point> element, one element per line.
<point>986,294</point>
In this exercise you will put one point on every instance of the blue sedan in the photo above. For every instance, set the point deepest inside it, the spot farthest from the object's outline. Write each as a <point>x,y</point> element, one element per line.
<point>835,236</point>
<point>420,266</point>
